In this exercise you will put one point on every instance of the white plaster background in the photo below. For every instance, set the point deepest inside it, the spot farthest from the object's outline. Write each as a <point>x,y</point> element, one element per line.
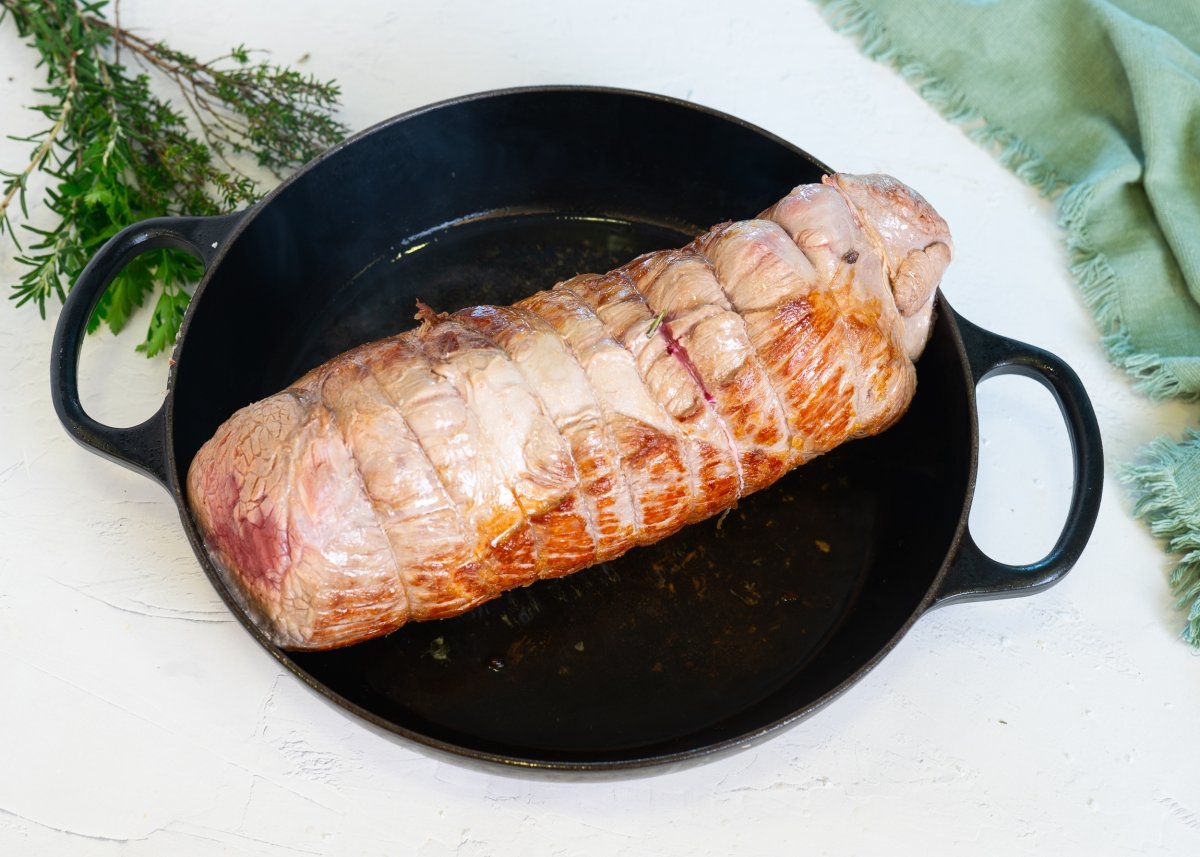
<point>137,718</point>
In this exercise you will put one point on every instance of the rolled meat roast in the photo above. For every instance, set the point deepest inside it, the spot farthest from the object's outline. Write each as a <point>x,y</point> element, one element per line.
<point>418,476</point>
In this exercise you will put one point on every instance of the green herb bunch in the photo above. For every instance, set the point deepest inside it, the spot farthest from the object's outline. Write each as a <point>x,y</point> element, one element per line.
<point>116,153</point>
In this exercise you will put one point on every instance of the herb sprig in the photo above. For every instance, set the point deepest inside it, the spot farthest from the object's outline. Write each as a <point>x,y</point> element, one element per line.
<point>115,153</point>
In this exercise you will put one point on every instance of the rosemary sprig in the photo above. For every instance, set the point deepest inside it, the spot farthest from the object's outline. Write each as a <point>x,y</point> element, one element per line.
<point>115,153</point>
<point>654,325</point>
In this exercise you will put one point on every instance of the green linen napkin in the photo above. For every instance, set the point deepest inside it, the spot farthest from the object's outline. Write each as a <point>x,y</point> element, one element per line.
<point>1097,104</point>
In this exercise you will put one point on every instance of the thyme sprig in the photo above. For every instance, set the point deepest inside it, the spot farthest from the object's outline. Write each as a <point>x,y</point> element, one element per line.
<point>114,152</point>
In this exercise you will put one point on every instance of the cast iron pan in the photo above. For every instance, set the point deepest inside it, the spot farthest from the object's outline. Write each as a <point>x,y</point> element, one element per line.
<point>713,638</point>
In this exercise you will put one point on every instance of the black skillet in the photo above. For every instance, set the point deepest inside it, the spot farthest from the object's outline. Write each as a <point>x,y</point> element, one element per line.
<point>713,638</point>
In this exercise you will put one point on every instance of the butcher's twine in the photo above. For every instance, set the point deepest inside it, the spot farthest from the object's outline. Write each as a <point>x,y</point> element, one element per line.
<point>1096,103</point>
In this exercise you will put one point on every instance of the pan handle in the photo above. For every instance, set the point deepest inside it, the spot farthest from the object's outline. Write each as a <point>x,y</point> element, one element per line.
<point>973,575</point>
<point>141,447</point>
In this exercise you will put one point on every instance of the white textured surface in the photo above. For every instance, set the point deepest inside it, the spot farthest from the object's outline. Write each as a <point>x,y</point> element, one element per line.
<point>137,718</point>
